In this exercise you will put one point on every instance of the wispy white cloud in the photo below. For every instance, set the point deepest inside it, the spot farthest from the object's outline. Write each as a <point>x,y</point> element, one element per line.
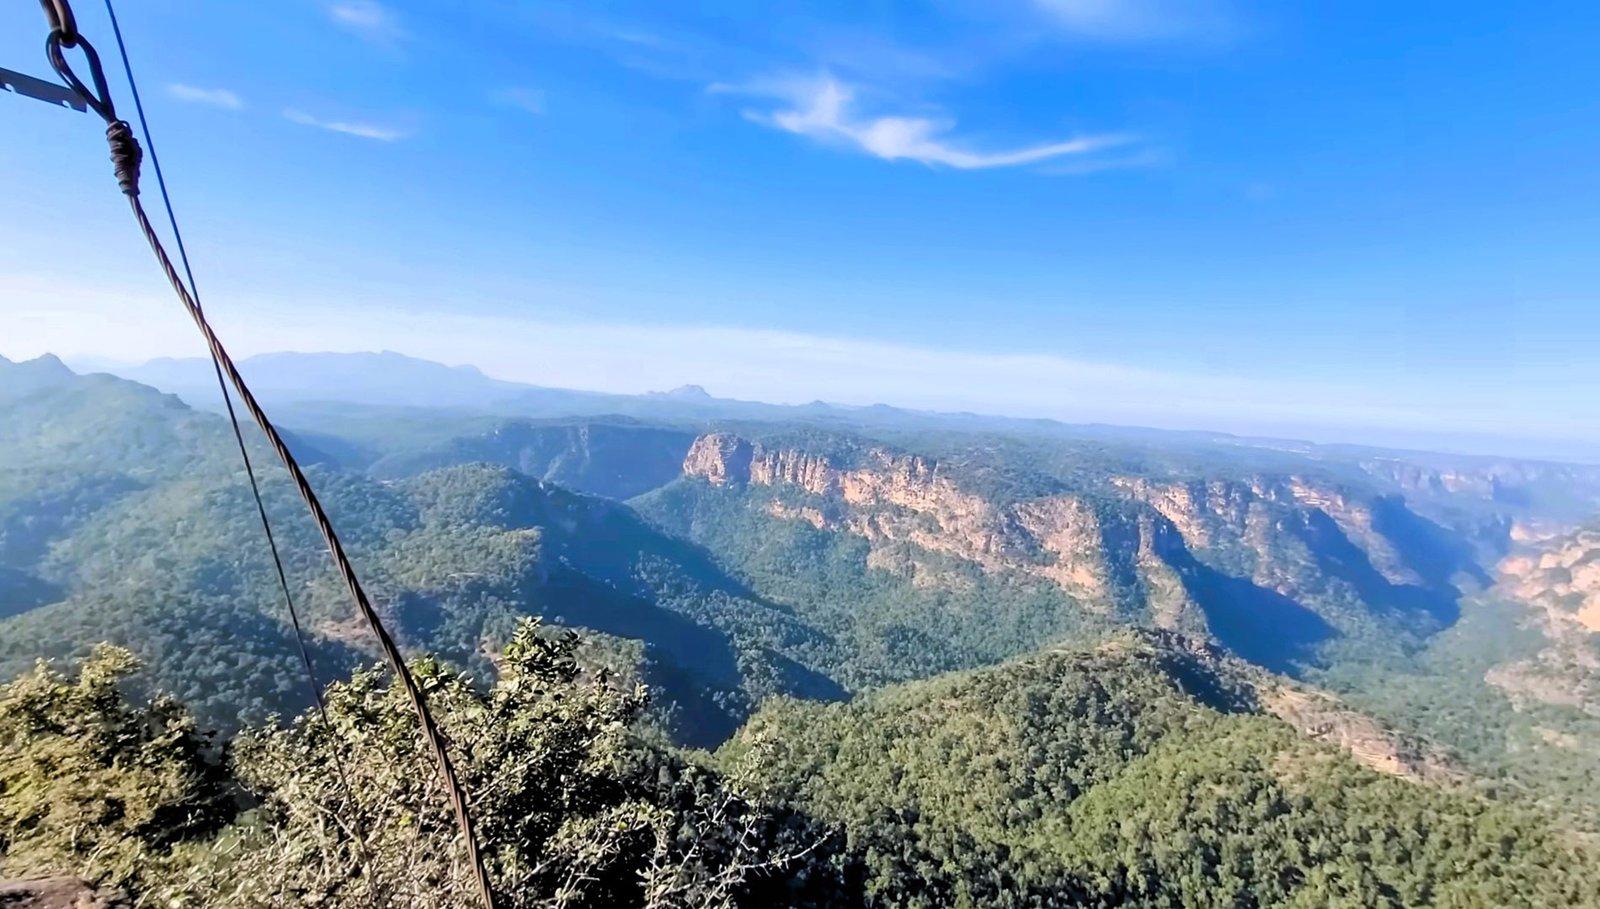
<point>216,97</point>
<point>823,109</point>
<point>639,38</point>
<point>530,100</point>
<point>378,131</point>
<point>1139,20</point>
<point>369,19</point>
<point>1139,159</point>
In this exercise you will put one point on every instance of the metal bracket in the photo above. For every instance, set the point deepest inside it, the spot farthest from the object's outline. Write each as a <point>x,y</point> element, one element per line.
<point>49,92</point>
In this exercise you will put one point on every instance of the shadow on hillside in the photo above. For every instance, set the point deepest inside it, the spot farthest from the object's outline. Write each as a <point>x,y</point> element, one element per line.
<point>696,667</point>
<point>701,715</point>
<point>1201,681</point>
<point>1437,554</point>
<point>583,601</point>
<point>22,592</point>
<point>54,506</point>
<point>695,714</point>
<point>1260,625</point>
<point>638,536</point>
<point>1427,607</point>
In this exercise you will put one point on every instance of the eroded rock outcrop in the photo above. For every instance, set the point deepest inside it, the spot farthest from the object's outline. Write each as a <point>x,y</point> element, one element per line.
<point>721,458</point>
<point>1557,577</point>
<point>1105,555</point>
<point>894,497</point>
<point>1233,685</point>
<point>1131,544</point>
<point>1321,716</point>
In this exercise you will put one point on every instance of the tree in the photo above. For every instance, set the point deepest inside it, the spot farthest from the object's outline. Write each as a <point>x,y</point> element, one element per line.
<point>92,783</point>
<point>352,813</point>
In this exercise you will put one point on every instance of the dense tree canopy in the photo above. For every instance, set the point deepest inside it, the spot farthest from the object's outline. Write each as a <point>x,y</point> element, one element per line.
<point>1128,776</point>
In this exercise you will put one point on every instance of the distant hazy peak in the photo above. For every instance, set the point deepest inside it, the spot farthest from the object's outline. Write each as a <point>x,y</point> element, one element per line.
<point>686,393</point>
<point>28,376</point>
<point>47,363</point>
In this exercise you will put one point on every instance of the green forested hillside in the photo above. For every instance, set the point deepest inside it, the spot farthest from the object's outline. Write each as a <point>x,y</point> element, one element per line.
<point>125,518</point>
<point>1338,583</point>
<point>779,572</point>
<point>1547,749</point>
<point>177,573</point>
<point>122,512</point>
<point>889,628</point>
<point>1136,775</point>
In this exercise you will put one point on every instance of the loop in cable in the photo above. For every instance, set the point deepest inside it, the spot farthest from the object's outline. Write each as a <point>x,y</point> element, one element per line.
<point>99,100</point>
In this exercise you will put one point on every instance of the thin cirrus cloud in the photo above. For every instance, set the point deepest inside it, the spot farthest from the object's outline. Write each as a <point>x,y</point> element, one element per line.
<point>1140,20</point>
<point>528,100</point>
<point>824,109</point>
<point>358,128</point>
<point>215,97</point>
<point>1137,159</point>
<point>369,19</point>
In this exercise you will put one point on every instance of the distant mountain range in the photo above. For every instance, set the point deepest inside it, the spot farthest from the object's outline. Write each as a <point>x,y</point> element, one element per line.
<point>394,380</point>
<point>386,378</point>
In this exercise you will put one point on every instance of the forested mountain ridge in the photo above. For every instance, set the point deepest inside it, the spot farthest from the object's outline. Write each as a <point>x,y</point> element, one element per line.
<point>1281,567</point>
<point>363,380</point>
<point>1322,571</point>
<point>383,377</point>
<point>453,558</point>
<point>124,516</point>
<point>151,537</point>
<point>1136,773</point>
<point>914,555</point>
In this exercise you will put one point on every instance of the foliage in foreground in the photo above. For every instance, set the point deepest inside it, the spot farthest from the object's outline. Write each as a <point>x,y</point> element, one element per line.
<point>351,813</point>
<point>95,784</point>
<point>1133,774</point>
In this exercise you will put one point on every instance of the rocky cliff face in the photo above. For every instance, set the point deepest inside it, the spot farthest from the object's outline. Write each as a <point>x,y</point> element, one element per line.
<point>1558,579</point>
<point>1536,488</point>
<point>1487,483</point>
<point>1134,545</point>
<point>894,498</point>
<point>720,458</point>
<point>1561,577</point>
<point>1323,717</point>
<point>1270,528</point>
<point>614,459</point>
<point>1314,713</point>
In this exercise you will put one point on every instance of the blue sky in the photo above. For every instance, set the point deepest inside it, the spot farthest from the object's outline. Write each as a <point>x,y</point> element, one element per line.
<point>1368,221</point>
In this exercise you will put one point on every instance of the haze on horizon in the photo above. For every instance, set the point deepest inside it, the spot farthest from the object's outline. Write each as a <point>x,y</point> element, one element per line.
<point>1214,215</point>
<point>1160,392</point>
